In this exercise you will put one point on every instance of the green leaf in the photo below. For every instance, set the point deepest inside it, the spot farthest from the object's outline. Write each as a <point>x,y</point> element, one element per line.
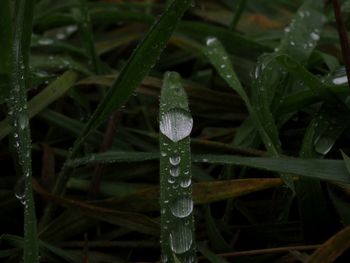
<point>176,204</point>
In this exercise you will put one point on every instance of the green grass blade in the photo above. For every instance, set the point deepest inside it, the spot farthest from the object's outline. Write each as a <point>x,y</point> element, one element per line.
<point>5,46</point>
<point>303,33</point>
<point>54,91</point>
<point>113,157</point>
<point>176,204</point>
<point>82,16</point>
<point>331,170</point>
<point>265,125</point>
<point>238,13</point>
<point>18,113</point>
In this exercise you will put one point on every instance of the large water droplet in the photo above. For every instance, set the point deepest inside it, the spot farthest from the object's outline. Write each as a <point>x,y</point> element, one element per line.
<point>182,207</point>
<point>324,145</point>
<point>175,160</point>
<point>19,190</point>
<point>185,183</point>
<point>176,124</point>
<point>340,80</point>
<point>180,239</point>
<point>175,171</point>
<point>171,180</point>
<point>23,121</point>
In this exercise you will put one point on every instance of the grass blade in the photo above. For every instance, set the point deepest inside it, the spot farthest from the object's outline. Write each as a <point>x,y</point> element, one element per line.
<point>176,204</point>
<point>332,170</point>
<point>266,127</point>
<point>54,91</point>
<point>333,248</point>
<point>18,113</point>
<point>303,33</point>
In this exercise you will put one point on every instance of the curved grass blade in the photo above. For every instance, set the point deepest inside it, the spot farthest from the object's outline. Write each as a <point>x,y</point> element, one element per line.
<point>137,67</point>
<point>176,204</point>
<point>18,114</point>
<point>54,91</point>
<point>265,125</point>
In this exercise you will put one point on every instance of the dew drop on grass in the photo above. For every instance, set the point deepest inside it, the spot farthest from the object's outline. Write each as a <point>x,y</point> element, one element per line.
<point>19,190</point>
<point>45,42</point>
<point>174,171</point>
<point>340,80</point>
<point>182,207</point>
<point>180,239</point>
<point>185,183</point>
<point>210,40</point>
<point>324,145</point>
<point>175,160</point>
<point>176,124</point>
<point>314,36</point>
<point>23,120</point>
<point>171,180</point>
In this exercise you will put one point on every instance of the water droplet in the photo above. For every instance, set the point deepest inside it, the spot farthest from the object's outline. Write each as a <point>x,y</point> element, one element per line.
<point>185,183</point>
<point>210,41</point>
<point>182,207</point>
<point>324,145</point>
<point>175,160</point>
<point>180,239</point>
<point>45,41</point>
<point>171,180</point>
<point>175,171</point>
<point>164,258</point>
<point>176,124</point>
<point>19,190</point>
<point>23,121</point>
<point>314,36</point>
<point>340,80</point>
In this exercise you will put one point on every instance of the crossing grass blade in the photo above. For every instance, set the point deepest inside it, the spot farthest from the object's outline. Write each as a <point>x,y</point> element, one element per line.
<point>331,170</point>
<point>176,204</point>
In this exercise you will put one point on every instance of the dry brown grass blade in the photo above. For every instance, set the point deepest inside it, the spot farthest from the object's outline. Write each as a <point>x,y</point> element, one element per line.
<point>332,248</point>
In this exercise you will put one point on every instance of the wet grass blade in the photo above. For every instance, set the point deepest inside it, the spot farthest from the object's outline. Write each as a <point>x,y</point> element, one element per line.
<point>176,204</point>
<point>331,170</point>
<point>82,16</point>
<point>54,91</point>
<point>303,33</point>
<point>18,114</point>
<point>263,123</point>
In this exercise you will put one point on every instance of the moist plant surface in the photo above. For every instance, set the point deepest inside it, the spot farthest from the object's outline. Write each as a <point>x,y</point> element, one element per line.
<point>174,131</point>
